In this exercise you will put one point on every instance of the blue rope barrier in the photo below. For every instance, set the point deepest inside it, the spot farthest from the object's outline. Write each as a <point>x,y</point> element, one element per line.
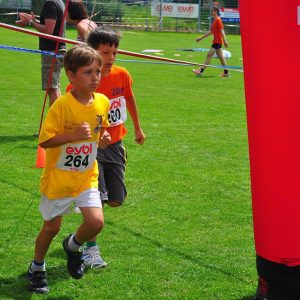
<point>120,60</point>
<point>29,50</point>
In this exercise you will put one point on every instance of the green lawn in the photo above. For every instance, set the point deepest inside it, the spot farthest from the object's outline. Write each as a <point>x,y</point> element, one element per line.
<point>185,230</point>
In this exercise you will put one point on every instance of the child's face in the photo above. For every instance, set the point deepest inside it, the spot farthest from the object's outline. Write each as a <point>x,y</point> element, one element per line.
<point>86,78</point>
<point>108,54</point>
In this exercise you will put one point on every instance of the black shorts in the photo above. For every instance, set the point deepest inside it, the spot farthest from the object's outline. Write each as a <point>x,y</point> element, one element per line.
<point>216,46</point>
<point>111,181</point>
<point>277,281</point>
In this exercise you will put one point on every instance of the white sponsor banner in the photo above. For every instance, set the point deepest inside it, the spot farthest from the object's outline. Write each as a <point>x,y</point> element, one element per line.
<point>230,14</point>
<point>174,10</point>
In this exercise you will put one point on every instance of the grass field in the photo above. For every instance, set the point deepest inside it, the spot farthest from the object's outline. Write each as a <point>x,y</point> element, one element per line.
<point>185,230</point>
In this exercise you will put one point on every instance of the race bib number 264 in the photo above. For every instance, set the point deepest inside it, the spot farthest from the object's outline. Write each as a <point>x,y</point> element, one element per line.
<point>77,157</point>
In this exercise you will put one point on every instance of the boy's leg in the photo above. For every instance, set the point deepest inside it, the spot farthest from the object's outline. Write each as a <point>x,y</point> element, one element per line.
<point>90,205</point>
<point>111,183</point>
<point>92,224</point>
<point>36,274</point>
<point>45,237</point>
<point>115,167</point>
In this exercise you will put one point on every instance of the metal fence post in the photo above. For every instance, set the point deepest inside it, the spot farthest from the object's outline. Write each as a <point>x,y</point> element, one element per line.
<point>199,15</point>
<point>161,15</point>
<point>147,16</point>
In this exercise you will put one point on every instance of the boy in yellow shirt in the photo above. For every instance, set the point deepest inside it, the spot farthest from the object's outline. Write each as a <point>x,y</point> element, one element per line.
<point>72,131</point>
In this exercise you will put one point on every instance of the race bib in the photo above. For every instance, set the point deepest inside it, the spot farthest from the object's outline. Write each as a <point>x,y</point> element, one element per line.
<point>117,111</point>
<point>77,157</point>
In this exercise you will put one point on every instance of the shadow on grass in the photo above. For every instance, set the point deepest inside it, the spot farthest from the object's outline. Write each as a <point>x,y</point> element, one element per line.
<point>17,288</point>
<point>13,185</point>
<point>180,254</point>
<point>247,298</point>
<point>16,138</point>
<point>204,76</point>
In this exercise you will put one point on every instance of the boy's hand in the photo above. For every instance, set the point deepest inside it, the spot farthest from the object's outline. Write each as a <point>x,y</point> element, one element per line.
<point>198,39</point>
<point>225,43</point>
<point>105,140</point>
<point>83,132</point>
<point>139,136</point>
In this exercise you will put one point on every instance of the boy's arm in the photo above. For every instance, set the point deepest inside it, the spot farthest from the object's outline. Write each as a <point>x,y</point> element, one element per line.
<point>82,132</point>
<point>132,108</point>
<point>208,33</point>
<point>105,138</point>
<point>224,38</point>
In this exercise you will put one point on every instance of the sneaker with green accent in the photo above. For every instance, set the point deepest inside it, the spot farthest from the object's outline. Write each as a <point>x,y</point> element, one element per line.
<point>37,281</point>
<point>92,258</point>
<point>75,263</point>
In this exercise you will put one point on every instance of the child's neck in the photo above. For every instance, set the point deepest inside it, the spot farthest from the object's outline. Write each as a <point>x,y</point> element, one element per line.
<point>83,98</point>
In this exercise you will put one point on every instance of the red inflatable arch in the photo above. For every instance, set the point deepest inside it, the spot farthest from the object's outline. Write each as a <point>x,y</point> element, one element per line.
<point>271,45</point>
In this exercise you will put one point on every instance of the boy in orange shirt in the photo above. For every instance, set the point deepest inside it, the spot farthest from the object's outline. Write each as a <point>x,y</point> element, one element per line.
<point>116,84</point>
<point>217,29</point>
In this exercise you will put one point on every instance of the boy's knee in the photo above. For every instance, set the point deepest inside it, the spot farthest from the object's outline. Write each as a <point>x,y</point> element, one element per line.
<point>96,225</point>
<point>51,230</point>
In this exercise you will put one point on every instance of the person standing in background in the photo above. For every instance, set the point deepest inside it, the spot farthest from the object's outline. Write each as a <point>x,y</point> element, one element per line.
<point>78,16</point>
<point>51,18</point>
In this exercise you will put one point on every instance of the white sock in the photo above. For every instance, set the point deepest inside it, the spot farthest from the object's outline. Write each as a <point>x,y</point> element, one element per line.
<point>73,244</point>
<point>35,267</point>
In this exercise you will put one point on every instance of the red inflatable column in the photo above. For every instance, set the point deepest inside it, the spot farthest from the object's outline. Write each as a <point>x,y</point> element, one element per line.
<point>271,45</point>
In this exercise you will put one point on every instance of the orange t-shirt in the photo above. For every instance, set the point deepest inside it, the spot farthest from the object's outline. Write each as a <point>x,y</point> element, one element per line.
<point>216,27</point>
<point>117,87</point>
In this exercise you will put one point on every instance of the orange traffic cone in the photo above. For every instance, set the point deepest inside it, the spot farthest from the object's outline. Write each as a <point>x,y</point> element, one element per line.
<point>41,156</point>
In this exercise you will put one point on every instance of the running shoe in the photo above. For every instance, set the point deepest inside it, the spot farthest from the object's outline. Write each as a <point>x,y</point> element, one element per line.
<point>37,281</point>
<point>75,263</point>
<point>92,258</point>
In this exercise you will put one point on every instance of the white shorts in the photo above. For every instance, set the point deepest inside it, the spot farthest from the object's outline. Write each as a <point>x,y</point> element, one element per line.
<point>61,206</point>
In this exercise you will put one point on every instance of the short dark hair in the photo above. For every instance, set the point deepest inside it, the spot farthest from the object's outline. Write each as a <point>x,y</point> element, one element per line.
<point>103,36</point>
<point>217,9</point>
<point>80,56</point>
<point>76,10</point>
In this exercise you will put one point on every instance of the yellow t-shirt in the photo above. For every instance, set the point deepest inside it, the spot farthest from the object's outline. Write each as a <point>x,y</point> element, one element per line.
<point>70,169</point>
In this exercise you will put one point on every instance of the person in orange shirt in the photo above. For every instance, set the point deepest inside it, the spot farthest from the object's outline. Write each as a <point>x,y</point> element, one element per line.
<point>217,29</point>
<point>116,85</point>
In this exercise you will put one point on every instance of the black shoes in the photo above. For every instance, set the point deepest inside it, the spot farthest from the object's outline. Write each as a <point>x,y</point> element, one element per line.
<point>37,281</point>
<point>75,263</point>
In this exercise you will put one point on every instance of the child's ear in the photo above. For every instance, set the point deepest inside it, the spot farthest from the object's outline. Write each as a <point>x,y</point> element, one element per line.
<point>71,76</point>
